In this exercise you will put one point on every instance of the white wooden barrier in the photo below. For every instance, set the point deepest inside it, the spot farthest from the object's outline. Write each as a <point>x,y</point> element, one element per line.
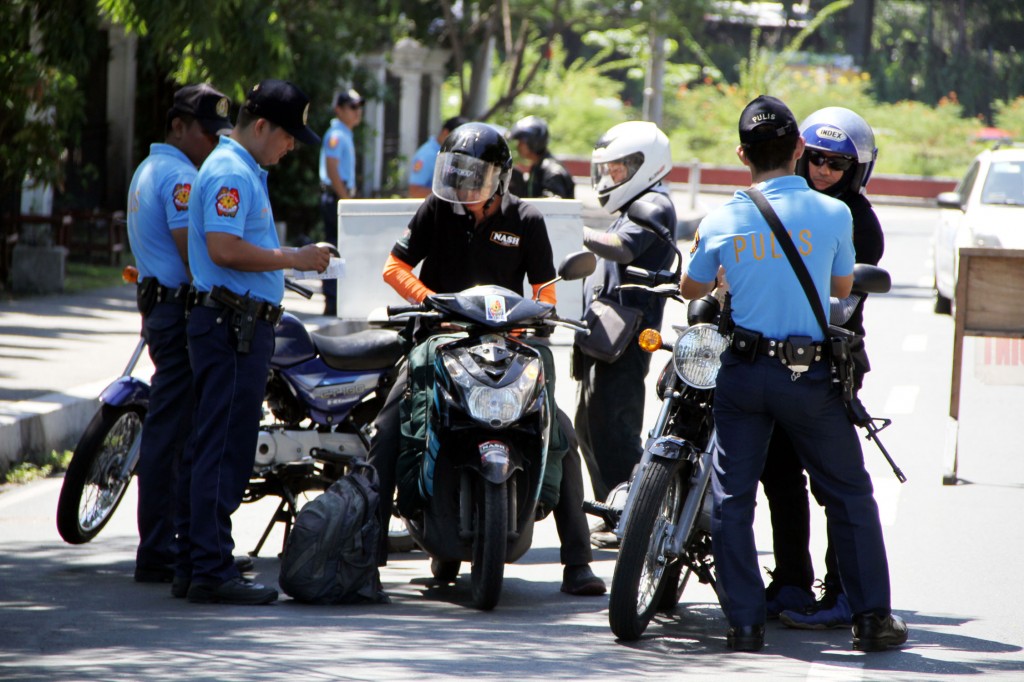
<point>368,228</point>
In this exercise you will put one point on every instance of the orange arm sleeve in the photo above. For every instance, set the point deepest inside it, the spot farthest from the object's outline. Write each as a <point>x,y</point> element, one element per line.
<point>399,275</point>
<point>546,296</point>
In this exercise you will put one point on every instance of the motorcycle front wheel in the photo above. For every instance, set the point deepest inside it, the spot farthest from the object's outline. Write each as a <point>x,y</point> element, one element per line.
<point>490,545</point>
<point>99,473</point>
<point>641,566</point>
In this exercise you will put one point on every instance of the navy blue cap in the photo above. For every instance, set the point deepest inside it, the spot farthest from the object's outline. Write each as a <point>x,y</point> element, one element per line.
<point>283,104</point>
<point>349,96</point>
<point>204,103</point>
<point>769,116</point>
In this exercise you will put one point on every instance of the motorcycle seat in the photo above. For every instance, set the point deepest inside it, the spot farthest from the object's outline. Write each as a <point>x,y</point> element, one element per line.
<point>366,349</point>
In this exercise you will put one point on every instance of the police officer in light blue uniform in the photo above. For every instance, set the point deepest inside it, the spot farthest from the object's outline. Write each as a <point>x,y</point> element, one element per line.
<point>158,201</point>
<point>338,174</point>
<point>756,389</point>
<point>421,168</point>
<point>237,265</point>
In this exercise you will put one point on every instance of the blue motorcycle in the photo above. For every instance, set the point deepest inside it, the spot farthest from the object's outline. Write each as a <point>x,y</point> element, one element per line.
<point>321,398</point>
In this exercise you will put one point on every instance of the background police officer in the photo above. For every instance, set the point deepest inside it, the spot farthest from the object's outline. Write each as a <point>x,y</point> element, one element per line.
<point>338,174</point>
<point>158,200</point>
<point>421,168</point>
<point>755,389</point>
<point>237,264</point>
<point>543,175</point>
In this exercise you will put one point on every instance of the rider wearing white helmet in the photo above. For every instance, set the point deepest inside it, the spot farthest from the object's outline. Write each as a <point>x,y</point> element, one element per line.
<point>629,164</point>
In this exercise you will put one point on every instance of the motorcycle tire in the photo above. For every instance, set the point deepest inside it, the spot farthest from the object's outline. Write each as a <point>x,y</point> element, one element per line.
<point>675,580</point>
<point>99,473</point>
<point>490,545</point>
<point>399,539</point>
<point>641,568</point>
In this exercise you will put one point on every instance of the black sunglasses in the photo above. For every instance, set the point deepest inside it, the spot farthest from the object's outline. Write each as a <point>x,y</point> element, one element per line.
<point>836,163</point>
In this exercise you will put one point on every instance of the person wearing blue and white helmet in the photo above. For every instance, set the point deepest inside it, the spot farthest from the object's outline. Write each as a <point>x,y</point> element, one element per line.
<point>839,156</point>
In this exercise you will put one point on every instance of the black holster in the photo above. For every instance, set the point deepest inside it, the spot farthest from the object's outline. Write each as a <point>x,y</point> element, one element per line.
<point>146,294</point>
<point>243,319</point>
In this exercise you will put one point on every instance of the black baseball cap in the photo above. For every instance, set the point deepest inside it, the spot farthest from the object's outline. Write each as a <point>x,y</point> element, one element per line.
<point>349,96</point>
<point>204,103</point>
<point>769,116</point>
<point>283,104</point>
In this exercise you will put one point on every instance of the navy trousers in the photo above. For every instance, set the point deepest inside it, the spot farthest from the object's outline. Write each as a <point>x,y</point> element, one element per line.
<point>167,426</point>
<point>609,416</point>
<point>229,398</point>
<point>750,398</point>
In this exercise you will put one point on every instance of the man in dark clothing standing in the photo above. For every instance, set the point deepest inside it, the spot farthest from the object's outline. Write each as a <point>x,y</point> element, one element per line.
<point>545,177</point>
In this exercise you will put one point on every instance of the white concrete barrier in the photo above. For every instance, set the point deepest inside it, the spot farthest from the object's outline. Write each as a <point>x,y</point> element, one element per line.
<point>368,228</point>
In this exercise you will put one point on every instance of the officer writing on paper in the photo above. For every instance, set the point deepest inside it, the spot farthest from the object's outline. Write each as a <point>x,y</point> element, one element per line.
<point>237,266</point>
<point>757,389</point>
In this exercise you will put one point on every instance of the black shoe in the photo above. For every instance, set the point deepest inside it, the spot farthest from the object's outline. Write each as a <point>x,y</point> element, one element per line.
<point>234,591</point>
<point>872,632</point>
<point>244,563</point>
<point>179,587</point>
<point>154,574</point>
<point>580,581</point>
<point>745,638</point>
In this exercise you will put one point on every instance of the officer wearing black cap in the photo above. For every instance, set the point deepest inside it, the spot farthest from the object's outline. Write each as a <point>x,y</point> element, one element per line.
<point>158,200</point>
<point>237,263</point>
<point>756,389</point>
<point>338,174</point>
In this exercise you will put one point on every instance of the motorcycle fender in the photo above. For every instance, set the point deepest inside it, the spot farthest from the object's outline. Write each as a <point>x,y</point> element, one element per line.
<point>126,390</point>
<point>669,448</point>
<point>497,461</point>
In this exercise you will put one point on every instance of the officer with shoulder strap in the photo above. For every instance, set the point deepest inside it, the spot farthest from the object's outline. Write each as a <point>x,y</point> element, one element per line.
<point>766,380</point>
<point>237,264</point>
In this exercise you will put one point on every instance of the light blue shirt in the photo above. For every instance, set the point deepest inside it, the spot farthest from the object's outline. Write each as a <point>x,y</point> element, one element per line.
<point>230,195</point>
<point>766,294</point>
<point>339,144</point>
<point>158,199</point>
<point>421,170</point>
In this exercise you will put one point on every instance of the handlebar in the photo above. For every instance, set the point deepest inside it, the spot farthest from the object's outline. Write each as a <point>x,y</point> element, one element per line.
<point>298,288</point>
<point>393,310</point>
<point>652,278</point>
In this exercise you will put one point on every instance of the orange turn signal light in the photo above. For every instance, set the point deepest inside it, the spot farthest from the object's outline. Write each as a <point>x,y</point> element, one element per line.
<point>130,274</point>
<point>649,340</point>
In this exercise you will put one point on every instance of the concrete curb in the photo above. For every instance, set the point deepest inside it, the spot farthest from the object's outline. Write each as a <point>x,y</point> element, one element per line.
<point>30,429</point>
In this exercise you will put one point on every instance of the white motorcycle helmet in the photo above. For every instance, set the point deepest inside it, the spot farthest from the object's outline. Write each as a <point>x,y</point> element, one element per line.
<point>837,130</point>
<point>644,151</point>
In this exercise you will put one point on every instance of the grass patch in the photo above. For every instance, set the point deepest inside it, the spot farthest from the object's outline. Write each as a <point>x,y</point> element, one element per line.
<point>86,277</point>
<point>25,472</point>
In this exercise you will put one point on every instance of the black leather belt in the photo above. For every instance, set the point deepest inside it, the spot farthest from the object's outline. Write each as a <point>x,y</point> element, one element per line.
<point>264,311</point>
<point>178,294</point>
<point>786,352</point>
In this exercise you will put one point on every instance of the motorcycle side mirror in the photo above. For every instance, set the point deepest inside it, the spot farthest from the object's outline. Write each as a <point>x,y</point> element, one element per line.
<point>577,265</point>
<point>651,216</point>
<point>871,279</point>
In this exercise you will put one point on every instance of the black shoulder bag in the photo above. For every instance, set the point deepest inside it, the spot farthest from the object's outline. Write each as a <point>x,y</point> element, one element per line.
<point>839,340</point>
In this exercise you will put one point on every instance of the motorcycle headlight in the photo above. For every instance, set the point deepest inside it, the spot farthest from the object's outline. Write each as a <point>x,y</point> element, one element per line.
<point>697,355</point>
<point>496,407</point>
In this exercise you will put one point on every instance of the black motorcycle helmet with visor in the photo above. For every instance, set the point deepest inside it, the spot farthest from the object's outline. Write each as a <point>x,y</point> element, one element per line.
<point>473,165</point>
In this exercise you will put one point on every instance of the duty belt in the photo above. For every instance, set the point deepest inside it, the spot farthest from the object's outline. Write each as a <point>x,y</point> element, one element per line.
<point>264,311</point>
<point>797,352</point>
<point>773,348</point>
<point>178,294</point>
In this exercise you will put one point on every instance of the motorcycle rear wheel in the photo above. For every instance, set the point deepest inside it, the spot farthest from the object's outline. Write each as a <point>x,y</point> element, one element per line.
<point>101,468</point>
<point>641,566</point>
<point>490,545</point>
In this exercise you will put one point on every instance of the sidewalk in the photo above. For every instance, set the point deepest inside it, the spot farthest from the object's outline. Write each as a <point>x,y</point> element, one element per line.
<point>57,353</point>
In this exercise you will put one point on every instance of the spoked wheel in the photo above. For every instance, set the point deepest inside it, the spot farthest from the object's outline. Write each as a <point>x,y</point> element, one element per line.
<point>675,580</point>
<point>101,468</point>
<point>490,545</point>
<point>641,568</point>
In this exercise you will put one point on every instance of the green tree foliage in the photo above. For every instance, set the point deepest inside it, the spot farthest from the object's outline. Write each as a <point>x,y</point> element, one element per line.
<point>44,54</point>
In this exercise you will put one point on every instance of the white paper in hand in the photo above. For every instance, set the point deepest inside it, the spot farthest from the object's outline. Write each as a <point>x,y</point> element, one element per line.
<point>335,270</point>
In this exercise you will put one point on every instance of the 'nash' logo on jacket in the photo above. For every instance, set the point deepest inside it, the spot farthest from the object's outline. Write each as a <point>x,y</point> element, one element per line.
<point>505,238</point>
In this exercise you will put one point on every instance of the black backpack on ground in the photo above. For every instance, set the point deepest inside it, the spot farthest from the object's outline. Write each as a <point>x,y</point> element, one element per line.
<point>330,556</point>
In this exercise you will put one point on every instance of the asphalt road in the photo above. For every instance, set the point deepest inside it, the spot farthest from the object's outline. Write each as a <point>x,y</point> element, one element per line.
<point>73,613</point>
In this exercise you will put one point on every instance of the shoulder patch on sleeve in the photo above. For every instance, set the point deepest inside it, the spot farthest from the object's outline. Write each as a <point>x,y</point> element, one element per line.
<point>696,241</point>
<point>180,195</point>
<point>227,202</point>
